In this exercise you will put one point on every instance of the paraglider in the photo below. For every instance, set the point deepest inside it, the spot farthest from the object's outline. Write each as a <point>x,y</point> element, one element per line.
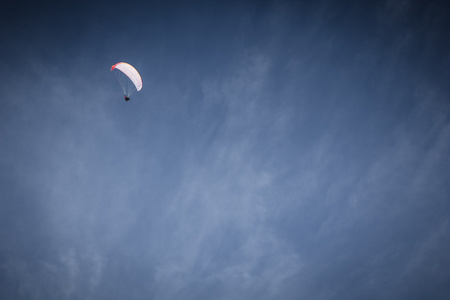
<point>128,77</point>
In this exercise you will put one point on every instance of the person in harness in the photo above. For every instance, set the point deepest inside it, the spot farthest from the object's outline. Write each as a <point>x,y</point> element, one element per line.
<point>127,98</point>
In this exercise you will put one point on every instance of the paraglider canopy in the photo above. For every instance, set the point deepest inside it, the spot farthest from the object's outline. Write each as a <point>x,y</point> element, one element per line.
<point>128,77</point>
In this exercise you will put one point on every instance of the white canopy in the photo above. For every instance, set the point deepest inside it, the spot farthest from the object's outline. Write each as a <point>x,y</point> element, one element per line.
<point>131,73</point>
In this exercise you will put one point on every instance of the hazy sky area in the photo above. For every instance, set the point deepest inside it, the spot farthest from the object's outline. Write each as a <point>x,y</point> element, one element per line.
<point>278,150</point>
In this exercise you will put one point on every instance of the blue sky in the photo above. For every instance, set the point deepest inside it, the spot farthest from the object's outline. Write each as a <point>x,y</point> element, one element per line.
<point>277,150</point>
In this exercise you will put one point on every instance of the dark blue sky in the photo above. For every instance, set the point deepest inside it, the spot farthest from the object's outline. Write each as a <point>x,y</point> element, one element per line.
<point>277,150</point>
